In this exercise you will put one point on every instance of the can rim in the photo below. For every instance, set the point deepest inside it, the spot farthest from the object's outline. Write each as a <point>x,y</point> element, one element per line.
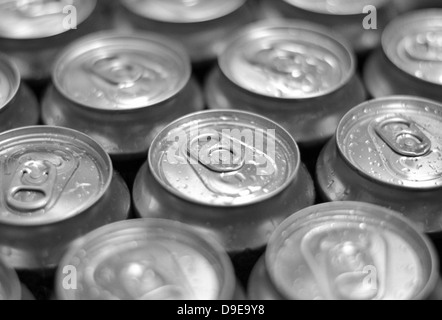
<point>95,40</point>
<point>364,174</point>
<point>12,277</point>
<point>241,3</point>
<point>405,20</point>
<point>52,35</point>
<point>74,135</point>
<point>212,246</point>
<point>288,137</point>
<point>384,3</point>
<point>9,63</point>
<point>365,209</point>
<point>289,24</point>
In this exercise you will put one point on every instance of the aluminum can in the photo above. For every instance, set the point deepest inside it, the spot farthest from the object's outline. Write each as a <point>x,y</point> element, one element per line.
<point>18,105</point>
<point>388,152</point>
<point>295,73</point>
<point>410,60</point>
<point>202,26</point>
<point>346,251</point>
<point>10,286</point>
<point>360,21</point>
<point>409,5</point>
<point>121,90</point>
<point>57,185</point>
<point>233,174</point>
<point>34,31</point>
<point>147,259</point>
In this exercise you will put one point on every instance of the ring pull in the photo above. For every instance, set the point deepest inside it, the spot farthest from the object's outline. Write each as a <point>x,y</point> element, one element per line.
<point>404,137</point>
<point>218,153</point>
<point>32,186</point>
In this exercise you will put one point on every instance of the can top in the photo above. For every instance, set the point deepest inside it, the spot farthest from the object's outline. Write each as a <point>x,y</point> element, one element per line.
<point>148,259</point>
<point>9,80</point>
<point>224,158</point>
<point>114,71</point>
<point>10,288</point>
<point>183,11</point>
<point>50,174</point>
<point>395,141</point>
<point>337,7</point>
<point>35,19</point>
<point>351,251</point>
<point>414,44</point>
<point>288,60</point>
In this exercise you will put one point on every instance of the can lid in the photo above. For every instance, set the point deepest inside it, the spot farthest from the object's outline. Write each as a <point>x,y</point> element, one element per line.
<point>148,259</point>
<point>9,80</point>
<point>288,60</point>
<point>414,44</point>
<point>395,141</point>
<point>34,19</point>
<point>224,158</point>
<point>50,174</point>
<point>351,251</point>
<point>10,287</point>
<point>183,11</point>
<point>337,7</point>
<point>114,71</point>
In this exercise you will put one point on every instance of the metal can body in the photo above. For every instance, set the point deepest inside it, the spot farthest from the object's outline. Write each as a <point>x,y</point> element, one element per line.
<point>201,26</point>
<point>33,32</point>
<point>121,90</point>
<point>409,61</point>
<point>148,259</point>
<point>361,21</point>
<point>18,105</point>
<point>232,174</point>
<point>409,5</point>
<point>387,152</point>
<point>57,185</point>
<point>306,83</point>
<point>346,251</point>
<point>10,286</point>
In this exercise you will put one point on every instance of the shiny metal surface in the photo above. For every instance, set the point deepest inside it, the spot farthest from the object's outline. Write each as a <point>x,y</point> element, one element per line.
<point>295,73</point>
<point>18,105</point>
<point>240,202</point>
<point>388,152</point>
<point>202,27</point>
<point>347,251</point>
<point>36,19</point>
<point>410,60</point>
<point>10,287</point>
<point>148,259</point>
<point>183,11</point>
<point>121,89</point>
<point>33,32</point>
<point>57,185</point>
<point>353,19</point>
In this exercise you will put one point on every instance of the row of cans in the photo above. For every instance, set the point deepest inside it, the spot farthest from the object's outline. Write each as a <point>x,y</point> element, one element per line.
<point>231,174</point>
<point>122,89</point>
<point>234,177</point>
<point>34,31</point>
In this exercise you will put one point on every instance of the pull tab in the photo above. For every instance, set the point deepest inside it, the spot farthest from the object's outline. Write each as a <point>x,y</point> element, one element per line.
<point>116,71</point>
<point>40,8</point>
<point>404,137</point>
<point>425,47</point>
<point>216,152</point>
<point>32,186</point>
